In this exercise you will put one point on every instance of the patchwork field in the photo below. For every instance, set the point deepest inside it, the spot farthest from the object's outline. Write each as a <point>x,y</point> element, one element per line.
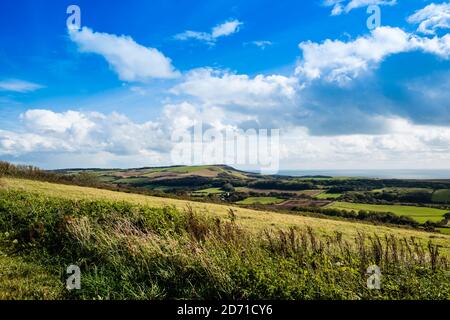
<point>260,200</point>
<point>310,193</point>
<point>252,220</point>
<point>420,214</point>
<point>208,191</point>
<point>326,196</point>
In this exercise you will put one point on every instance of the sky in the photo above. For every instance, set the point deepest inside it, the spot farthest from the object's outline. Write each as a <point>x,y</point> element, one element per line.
<point>345,89</point>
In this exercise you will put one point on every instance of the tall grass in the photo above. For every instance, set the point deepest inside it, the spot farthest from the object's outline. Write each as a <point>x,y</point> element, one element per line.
<point>136,252</point>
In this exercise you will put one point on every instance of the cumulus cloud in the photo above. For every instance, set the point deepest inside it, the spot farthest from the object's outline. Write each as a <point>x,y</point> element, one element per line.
<point>431,18</point>
<point>222,30</point>
<point>130,60</point>
<point>340,62</point>
<point>345,6</point>
<point>223,88</point>
<point>403,145</point>
<point>81,132</point>
<point>115,139</point>
<point>90,132</point>
<point>21,86</point>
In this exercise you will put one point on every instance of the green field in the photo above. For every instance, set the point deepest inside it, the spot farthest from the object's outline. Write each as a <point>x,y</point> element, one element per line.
<point>253,220</point>
<point>326,196</point>
<point>132,180</point>
<point>444,230</point>
<point>208,191</point>
<point>188,169</point>
<point>135,247</point>
<point>403,190</point>
<point>260,200</point>
<point>441,196</point>
<point>420,214</point>
<point>23,279</point>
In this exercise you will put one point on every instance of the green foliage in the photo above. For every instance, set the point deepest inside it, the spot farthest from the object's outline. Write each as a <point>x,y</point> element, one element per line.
<point>441,196</point>
<point>136,252</point>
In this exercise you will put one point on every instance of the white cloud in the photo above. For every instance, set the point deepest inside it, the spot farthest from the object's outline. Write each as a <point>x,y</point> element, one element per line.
<point>74,138</point>
<point>262,44</point>
<point>222,30</point>
<point>404,146</point>
<point>439,46</point>
<point>341,6</point>
<point>130,60</point>
<point>223,88</point>
<point>19,86</point>
<point>202,36</point>
<point>340,62</point>
<point>42,121</point>
<point>226,29</point>
<point>91,132</point>
<point>431,18</point>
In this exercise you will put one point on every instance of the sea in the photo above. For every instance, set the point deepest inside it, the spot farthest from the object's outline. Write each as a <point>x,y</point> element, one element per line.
<point>370,173</point>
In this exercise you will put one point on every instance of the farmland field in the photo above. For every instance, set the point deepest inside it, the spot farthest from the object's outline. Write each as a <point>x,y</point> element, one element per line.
<point>403,190</point>
<point>209,191</point>
<point>266,191</point>
<point>441,196</point>
<point>420,214</point>
<point>326,196</point>
<point>160,248</point>
<point>260,200</point>
<point>255,221</point>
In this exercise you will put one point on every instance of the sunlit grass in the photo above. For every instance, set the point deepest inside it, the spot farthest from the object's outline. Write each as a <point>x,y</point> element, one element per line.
<point>252,220</point>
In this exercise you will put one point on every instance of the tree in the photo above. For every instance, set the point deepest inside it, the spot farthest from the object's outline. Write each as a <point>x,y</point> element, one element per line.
<point>228,187</point>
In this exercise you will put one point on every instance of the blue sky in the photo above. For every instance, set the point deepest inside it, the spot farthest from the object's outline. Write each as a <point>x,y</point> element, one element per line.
<point>343,95</point>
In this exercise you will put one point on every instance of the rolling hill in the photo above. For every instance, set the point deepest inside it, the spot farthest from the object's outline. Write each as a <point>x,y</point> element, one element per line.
<point>133,246</point>
<point>254,220</point>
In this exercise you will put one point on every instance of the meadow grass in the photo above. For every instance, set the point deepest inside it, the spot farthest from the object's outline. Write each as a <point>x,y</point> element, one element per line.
<point>128,251</point>
<point>253,220</point>
<point>326,196</point>
<point>209,191</point>
<point>420,214</point>
<point>188,169</point>
<point>260,200</point>
<point>23,280</point>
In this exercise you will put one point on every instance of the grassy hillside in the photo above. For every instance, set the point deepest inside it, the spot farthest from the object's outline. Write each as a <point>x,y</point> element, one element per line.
<point>420,214</point>
<point>129,251</point>
<point>255,221</point>
<point>441,196</point>
<point>24,280</point>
